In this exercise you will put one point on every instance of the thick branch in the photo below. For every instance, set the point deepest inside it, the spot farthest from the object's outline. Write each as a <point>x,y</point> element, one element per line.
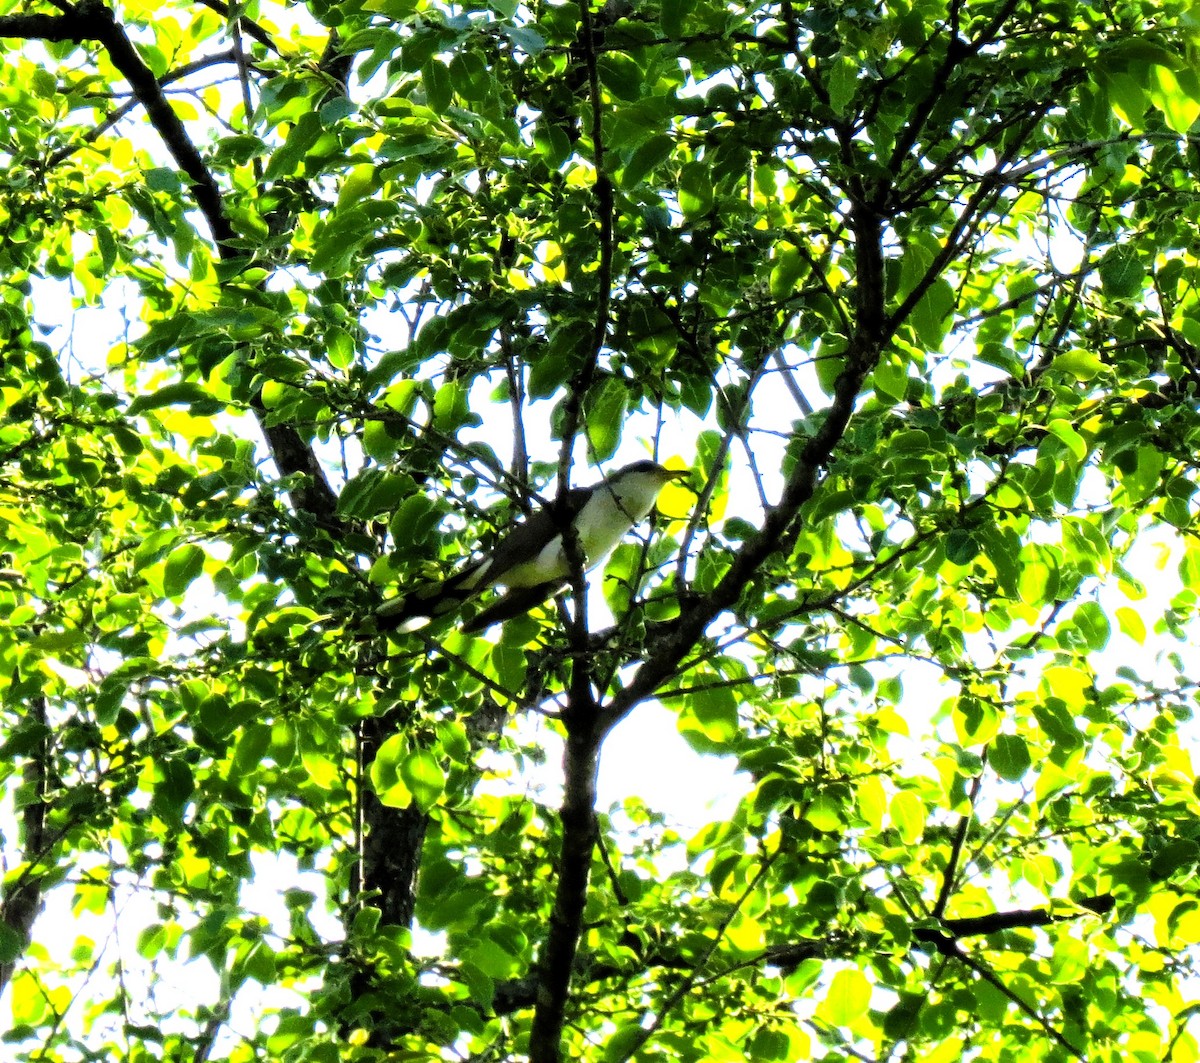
<point>582,717</point>
<point>292,455</point>
<point>93,20</point>
<point>115,116</point>
<point>520,993</point>
<point>580,763</point>
<point>391,838</point>
<point>20,906</point>
<point>951,931</point>
<point>43,27</point>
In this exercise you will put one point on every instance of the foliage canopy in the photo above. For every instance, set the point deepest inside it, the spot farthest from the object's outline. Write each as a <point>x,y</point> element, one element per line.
<point>912,287</point>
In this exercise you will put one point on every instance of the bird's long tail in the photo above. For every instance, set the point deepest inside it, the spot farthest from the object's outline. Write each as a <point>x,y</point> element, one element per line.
<point>515,602</point>
<point>428,602</point>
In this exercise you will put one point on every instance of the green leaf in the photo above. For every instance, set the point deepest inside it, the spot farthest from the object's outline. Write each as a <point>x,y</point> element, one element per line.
<point>435,76</point>
<point>1009,757</point>
<point>695,190</point>
<point>151,940</point>
<point>1079,363</point>
<point>1070,684</point>
<point>184,566</point>
<point>900,1020</point>
<point>647,157</point>
<point>1177,94</point>
<point>673,16</point>
<point>162,179</point>
<point>1131,623</point>
<point>385,773</point>
<point>450,407</point>
<point>842,83</point>
<point>710,715</point>
<point>890,378</point>
<point>553,144</point>
<point>422,774</point>
<point>287,158</point>
<point>381,440</point>
<point>1073,441</point>
<point>1092,622</point>
<point>373,492</point>
<point>1178,855</point>
<point>1126,95</point>
<point>414,522</point>
<point>826,814</point>
<point>931,316</point>
<point>604,419</point>
<point>358,183</point>
<point>847,999</point>
<point>908,814</point>
<point>470,76</point>
<point>340,348</point>
<point>526,38</point>
<point>183,394</point>
<point>770,1044</point>
<point>510,663</point>
<point>621,75</point>
<point>174,789</point>
<point>829,364</point>
<point>251,747</point>
<point>621,1044</point>
<point>975,720</point>
<point>1121,272</point>
<point>549,373</point>
<point>790,266</point>
<point>1144,479</point>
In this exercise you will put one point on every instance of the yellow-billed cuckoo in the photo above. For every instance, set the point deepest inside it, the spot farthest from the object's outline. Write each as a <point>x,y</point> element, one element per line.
<point>531,560</point>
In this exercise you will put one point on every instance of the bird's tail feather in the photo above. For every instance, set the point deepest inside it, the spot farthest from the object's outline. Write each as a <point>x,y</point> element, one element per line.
<point>515,602</point>
<point>428,602</point>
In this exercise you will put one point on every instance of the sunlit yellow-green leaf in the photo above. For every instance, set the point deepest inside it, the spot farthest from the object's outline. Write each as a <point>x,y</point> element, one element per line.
<point>1177,94</point>
<point>1131,623</point>
<point>1069,683</point>
<point>1075,443</point>
<point>908,814</point>
<point>847,998</point>
<point>1080,363</point>
<point>825,814</point>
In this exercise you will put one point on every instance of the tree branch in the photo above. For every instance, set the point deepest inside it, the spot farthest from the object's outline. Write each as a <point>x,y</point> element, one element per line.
<point>603,190</point>
<point>19,907</point>
<point>669,648</point>
<point>580,764</point>
<point>582,714</point>
<point>113,117</point>
<point>248,26</point>
<point>953,930</point>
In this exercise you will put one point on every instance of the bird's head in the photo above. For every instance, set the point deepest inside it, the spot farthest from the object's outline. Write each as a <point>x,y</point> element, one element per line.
<point>648,471</point>
<point>636,486</point>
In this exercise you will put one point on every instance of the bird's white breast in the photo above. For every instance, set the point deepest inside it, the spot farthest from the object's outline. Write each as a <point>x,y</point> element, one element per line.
<point>608,514</point>
<point>612,510</point>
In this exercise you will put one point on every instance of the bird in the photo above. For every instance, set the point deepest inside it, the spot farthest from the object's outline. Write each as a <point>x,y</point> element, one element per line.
<point>531,560</point>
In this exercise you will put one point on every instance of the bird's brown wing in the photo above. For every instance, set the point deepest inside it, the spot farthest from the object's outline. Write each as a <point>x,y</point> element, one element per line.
<point>428,601</point>
<point>527,539</point>
<point>523,543</point>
